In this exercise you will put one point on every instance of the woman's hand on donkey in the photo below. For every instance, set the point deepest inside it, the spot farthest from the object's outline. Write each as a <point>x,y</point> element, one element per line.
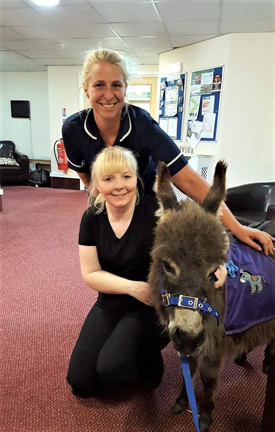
<point>142,292</point>
<point>248,235</point>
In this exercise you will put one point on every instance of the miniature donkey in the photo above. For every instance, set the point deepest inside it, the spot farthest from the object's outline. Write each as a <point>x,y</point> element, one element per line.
<point>190,245</point>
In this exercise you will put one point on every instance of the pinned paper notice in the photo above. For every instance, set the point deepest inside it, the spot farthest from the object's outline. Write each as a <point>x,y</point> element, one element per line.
<point>172,127</point>
<point>208,125</point>
<point>163,123</point>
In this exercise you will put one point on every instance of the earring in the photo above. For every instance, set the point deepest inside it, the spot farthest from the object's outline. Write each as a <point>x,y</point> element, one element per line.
<point>87,95</point>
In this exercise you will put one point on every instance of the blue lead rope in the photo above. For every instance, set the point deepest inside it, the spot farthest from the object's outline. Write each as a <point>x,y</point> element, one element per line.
<point>189,388</point>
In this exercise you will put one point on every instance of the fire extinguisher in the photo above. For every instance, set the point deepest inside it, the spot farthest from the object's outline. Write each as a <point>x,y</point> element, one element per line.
<point>60,155</point>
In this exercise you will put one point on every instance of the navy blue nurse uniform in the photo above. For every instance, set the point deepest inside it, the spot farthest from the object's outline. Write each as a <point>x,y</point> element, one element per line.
<point>138,131</point>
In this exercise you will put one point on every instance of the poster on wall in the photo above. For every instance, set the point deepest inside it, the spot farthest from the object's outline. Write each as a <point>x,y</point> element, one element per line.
<point>171,103</point>
<point>204,103</point>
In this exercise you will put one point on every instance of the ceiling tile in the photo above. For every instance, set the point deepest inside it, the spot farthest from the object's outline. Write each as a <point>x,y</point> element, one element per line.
<point>22,17</point>
<point>8,34</point>
<point>3,48</point>
<point>56,62</point>
<point>111,43</point>
<point>87,30</point>
<point>41,32</point>
<point>77,61</point>
<point>187,10</point>
<point>71,14</point>
<point>41,54</point>
<point>241,26</point>
<point>150,60</point>
<point>149,52</point>
<point>9,56</point>
<point>192,27</point>
<point>245,9</point>
<point>28,64</point>
<point>123,12</point>
<point>13,4</point>
<point>149,42</point>
<point>47,44</point>
<point>140,29</point>
<point>179,41</point>
<point>68,54</point>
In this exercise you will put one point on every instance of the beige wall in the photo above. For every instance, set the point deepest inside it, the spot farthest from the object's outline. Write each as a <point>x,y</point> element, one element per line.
<point>30,136</point>
<point>246,119</point>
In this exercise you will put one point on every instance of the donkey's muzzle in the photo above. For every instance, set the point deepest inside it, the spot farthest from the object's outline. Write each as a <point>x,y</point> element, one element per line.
<point>186,342</point>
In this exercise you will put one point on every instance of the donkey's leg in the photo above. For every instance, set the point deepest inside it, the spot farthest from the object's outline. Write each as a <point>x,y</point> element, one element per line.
<point>270,348</point>
<point>241,359</point>
<point>181,402</point>
<point>209,370</point>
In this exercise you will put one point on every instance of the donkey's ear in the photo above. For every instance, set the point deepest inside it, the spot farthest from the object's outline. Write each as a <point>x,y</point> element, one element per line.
<point>216,193</point>
<point>164,190</point>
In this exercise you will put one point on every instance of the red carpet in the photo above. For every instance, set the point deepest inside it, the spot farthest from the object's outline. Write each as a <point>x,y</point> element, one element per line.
<point>43,305</point>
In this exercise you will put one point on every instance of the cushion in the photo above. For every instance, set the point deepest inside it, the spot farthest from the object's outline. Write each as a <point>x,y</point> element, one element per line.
<point>8,161</point>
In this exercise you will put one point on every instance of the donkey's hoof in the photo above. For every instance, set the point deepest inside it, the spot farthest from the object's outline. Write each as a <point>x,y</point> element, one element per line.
<point>205,421</point>
<point>265,368</point>
<point>179,406</point>
<point>241,360</point>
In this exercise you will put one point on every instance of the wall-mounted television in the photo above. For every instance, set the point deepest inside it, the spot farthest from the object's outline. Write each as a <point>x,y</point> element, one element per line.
<point>20,109</point>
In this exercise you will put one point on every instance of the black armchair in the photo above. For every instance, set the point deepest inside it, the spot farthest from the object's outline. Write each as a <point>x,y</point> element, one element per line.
<point>252,203</point>
<point>11,174</point>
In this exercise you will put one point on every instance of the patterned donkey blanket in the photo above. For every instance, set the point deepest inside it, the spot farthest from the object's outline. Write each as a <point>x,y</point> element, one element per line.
<point>250,295</point>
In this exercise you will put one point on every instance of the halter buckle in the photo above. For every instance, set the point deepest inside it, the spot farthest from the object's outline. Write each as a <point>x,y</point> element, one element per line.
<point>191,306</point>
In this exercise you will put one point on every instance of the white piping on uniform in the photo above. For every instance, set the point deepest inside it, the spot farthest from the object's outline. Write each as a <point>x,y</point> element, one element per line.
<point>129,131</point>
<point>77,166</point>
<point>86,130</point>
<point>174,160</point>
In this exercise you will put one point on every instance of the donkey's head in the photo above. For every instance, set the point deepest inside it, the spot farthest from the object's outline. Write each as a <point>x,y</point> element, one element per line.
<point>190,246</point>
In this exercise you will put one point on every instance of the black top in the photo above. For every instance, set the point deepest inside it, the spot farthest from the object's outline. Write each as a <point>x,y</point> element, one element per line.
<point>138,131</point>
<point>127,257</point>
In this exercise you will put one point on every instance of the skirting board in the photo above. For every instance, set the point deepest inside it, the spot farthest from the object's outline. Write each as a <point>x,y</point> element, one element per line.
<point>65,183</point>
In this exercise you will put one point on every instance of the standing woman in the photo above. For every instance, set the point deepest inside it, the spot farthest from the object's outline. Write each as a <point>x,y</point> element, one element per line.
<point>111,122</point>
<point>121,339</point>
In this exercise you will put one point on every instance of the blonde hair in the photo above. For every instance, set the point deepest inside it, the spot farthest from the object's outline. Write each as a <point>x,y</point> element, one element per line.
<point>107,55</point>
<point>108,161</point>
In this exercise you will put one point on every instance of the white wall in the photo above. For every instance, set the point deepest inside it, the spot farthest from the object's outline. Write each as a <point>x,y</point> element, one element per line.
<point>246,137</point>
<point>30,137</point>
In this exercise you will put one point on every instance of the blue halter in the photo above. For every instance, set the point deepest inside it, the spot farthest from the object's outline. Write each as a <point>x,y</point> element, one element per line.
<point>189,303</point>
<point>196,304</point>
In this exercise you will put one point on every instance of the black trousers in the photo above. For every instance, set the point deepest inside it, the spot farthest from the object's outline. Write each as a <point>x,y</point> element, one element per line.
<point>116,347</point>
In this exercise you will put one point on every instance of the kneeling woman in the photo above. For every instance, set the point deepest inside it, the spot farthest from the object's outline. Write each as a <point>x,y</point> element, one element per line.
<point>121,340</point>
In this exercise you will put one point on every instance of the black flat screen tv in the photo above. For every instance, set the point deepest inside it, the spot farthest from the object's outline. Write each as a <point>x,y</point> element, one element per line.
<point>20,109</point>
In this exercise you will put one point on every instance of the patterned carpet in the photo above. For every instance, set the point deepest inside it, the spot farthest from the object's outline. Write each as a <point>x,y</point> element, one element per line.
<point>43,304</point>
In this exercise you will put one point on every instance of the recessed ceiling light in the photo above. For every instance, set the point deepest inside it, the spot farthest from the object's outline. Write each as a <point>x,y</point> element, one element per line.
<point>46,2</point>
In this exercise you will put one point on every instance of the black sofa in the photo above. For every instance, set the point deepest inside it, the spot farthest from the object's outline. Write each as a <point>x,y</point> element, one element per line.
<point>11,174</point>
<point>252,203</point>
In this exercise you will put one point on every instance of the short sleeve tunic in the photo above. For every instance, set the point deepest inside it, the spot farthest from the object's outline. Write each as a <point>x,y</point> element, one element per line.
<point>138,131</point>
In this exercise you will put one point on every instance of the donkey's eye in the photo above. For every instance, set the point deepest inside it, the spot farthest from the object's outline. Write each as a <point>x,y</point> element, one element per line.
<point>166,267</point>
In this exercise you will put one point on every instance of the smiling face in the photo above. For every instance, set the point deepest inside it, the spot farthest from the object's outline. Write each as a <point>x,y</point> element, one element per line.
<point>119,188</point>
<point>106,90</point>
